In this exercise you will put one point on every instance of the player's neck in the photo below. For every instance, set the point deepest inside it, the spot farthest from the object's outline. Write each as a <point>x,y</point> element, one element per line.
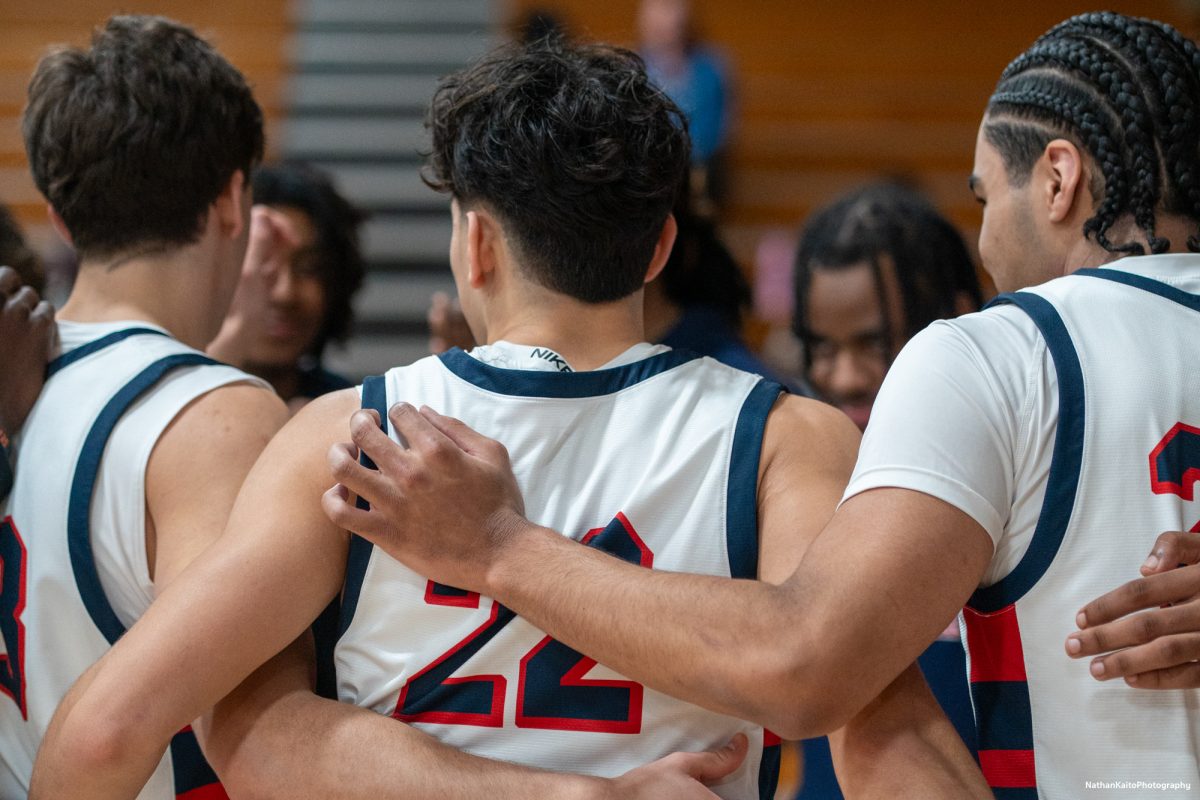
<point>587,335</point>
<point>1174,228</point>
<point>175,290</point>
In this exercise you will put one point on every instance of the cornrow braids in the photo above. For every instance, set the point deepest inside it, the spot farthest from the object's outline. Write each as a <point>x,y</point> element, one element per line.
<point>1113,76</point>
<point>1127,91</point>
<point>1160,55</point>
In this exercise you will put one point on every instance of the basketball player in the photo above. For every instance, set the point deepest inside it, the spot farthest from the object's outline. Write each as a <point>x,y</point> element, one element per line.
<point>141,145</point>
<point>562,163</point>
<point>1004,468</point>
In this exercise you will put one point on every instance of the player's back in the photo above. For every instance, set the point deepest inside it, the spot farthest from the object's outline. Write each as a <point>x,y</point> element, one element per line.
<point>654,460</point>
<point>73,539</point>
<point>1124,458</point>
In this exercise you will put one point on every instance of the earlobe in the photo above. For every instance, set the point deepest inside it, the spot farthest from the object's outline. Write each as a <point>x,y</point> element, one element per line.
<point>230,205</point>
<point>662,248</point>
<point>1064,178</point>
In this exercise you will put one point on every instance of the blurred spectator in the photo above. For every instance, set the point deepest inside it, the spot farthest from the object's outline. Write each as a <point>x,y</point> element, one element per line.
<point>699,300</point>
<point>302,269</point>
<point>695,77</point>
<point>15,253</point>
<point>872,270</point>
<point>538,24</point>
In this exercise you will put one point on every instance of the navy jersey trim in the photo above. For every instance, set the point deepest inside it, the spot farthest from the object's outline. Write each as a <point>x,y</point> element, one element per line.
<point>531,383</point>
<point>1003,714</point>
<point>768,770</point>
<point>741,499</point>
<point>374,395</point>
<point>1145,284</point>
<point>190,770</point>
<point>1063,481</point>
<point>83,484</point>
<point>85,350</point>
<point>1004,793</point>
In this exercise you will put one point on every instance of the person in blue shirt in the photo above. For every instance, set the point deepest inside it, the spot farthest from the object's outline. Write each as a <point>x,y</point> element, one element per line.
<point>696,78</point>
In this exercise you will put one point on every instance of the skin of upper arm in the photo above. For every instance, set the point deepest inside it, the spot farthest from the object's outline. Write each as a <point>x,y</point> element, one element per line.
<point>888,573</point>
<point>253,592</point>
<point>808,455</point>
<point>197,468</point>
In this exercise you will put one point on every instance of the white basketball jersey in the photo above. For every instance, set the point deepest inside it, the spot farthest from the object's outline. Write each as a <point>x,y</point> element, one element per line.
<point>1126,456</point>
<point>654,461</point>
<point>72,541</point>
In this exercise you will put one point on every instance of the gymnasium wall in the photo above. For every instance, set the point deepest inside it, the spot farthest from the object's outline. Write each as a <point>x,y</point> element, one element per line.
<point>251,34</point>
<point>831,94</point>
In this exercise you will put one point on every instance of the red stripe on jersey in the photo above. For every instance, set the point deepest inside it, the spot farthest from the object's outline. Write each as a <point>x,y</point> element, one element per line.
<point>770,738</point>
<point>214,791</point>
<point>994,642</point>
<point>1008,769</point>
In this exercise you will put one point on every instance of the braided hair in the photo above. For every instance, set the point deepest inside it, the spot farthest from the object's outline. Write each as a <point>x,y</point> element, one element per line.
<point>889,221</point>
<point>1126,91</point>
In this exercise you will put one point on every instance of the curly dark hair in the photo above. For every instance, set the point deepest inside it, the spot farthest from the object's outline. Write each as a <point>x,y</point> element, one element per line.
<point>889,221</point>
<point>1127,92</point>
<point>340,264</point>
<point>133,139</point>
<point>573,148</point>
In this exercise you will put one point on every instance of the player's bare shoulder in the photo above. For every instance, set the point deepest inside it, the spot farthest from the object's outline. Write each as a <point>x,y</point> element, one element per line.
<point>235,417</point>
<point>326,418</point>
<point>807,434</point>
<point>808,454</point>
<point>300,448</point>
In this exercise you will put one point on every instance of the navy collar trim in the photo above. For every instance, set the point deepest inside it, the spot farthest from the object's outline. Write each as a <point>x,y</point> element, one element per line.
<point>1145,284</point>
<point>531,383</point>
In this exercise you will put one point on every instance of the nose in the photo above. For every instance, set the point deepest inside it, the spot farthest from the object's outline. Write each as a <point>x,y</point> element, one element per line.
<point>848,375</point>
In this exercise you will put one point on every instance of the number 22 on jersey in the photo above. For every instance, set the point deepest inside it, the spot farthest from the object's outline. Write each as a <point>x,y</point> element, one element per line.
<point>551,690</point>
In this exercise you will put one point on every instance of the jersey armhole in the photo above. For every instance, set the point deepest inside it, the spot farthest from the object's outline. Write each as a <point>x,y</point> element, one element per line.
<point>741,501</point>
<point>1062,483</point>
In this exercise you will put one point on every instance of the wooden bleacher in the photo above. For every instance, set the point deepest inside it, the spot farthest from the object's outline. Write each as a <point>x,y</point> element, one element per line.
<point>834,94</point>
<point>252,35</point>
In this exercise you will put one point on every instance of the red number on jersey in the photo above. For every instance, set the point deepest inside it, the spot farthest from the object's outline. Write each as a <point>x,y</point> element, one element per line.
<point>551,693</point>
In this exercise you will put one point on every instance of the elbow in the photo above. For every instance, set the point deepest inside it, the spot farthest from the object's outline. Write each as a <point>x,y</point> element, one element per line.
<point>809,696</point>
<point>101,747</point>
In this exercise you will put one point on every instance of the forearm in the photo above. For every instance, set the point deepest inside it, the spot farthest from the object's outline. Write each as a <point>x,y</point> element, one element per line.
<point>78,752</point>
<point>902,745</point>
<point>732,646</point>
<point>306,747</point>
<point>273,738</point>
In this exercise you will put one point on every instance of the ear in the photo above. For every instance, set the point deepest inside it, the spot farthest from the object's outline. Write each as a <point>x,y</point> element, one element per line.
<point>662,248</point>
<point>232,206</point>
<point>59,226</point>
<point>483,244</point>
<point>1062,176</point>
